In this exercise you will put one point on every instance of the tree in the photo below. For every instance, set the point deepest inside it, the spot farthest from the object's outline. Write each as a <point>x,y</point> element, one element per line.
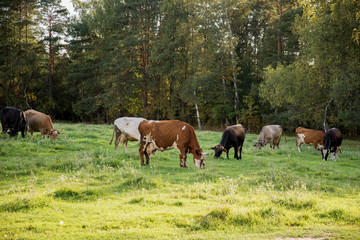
<point>54,20</point>
<point>324,77</point>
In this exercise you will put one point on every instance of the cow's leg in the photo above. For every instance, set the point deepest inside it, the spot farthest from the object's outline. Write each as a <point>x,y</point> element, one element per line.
<point>124,141</point>
<point>236,148</point>
<point>240,150</point>
<point>298,144</point>
<point>142,150</point>
<point>42,133</point>
<point>147,158</point>
<point>227,154</point>
<point>333,156</point>
<point>182,156</point>
<point>117,140</point>
<point>185,164</point>
<point>125,146</point>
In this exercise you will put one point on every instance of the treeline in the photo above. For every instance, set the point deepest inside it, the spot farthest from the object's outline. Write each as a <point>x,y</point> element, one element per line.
<point>209,63</point>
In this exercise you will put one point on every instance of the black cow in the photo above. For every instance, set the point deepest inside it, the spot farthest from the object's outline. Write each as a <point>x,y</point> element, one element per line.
<point>332,142</point>
<point>13,119</point>
<point>233,136</point>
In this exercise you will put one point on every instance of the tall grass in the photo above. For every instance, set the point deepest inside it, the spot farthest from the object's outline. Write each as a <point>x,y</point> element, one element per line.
<point>77,188</point>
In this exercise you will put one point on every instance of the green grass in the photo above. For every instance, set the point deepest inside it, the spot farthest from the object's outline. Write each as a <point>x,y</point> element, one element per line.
<point>77,188</point>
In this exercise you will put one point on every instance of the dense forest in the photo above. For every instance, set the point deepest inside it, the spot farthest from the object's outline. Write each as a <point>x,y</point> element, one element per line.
<point>209,63</point>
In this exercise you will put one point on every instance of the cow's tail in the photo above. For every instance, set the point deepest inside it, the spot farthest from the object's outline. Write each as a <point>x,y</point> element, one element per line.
<point>112,136</point>
<point>284,136</point>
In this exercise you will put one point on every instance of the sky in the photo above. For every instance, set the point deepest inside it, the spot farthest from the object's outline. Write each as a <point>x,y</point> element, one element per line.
<point>68,5</point>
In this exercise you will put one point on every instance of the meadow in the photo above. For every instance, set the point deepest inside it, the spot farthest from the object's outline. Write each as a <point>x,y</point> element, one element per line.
<point>78,188</point>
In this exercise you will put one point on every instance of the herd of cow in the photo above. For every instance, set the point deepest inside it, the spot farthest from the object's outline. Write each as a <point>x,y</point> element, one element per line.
<point>163,135</point>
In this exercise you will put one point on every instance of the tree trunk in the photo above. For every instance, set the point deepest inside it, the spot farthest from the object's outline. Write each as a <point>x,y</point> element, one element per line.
<point>326,108</point>
<point>224,89</point>
<point>236,97</point>
<point>280,48</point>
<point>197,112</point>
<point>50,59</point>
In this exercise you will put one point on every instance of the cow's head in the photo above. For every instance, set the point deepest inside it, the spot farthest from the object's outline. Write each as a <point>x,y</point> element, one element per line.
<point>54,134</point>
<point>218,150</point>
<point>325,153</point>
<point>199,158</point>
<point>13,132</point>
<point>259,144</point>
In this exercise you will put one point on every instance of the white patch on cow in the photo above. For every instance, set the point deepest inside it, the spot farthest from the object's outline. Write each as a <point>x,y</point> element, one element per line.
<point>320,146</point>
<point>183,128</point>
<point>147,140</point>
<point>197,163</point>
<point>302,137</point>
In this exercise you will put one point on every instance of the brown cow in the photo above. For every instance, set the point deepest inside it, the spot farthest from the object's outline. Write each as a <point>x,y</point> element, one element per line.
<point>270,134</point>
<point>40,122</point>
<point>163,135</point>
<point>309,136</point>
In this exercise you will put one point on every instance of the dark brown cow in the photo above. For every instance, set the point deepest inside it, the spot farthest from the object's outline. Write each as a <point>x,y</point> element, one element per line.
<point>233,136</point>
<point>309,136</point>
<point>163,135</point>
<point>14,120</point>
<point>40,122</point>
<point>332,143</point>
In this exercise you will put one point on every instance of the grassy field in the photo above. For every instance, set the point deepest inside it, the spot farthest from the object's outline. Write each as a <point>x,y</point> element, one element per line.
<point>77,188</point>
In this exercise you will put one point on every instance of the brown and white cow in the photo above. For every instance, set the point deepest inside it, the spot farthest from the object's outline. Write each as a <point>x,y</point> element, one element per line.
<point>40,122</point>
<point>126,129</point>
<point>270,134</point>
<point>163,135</point>
<point>309,136</point>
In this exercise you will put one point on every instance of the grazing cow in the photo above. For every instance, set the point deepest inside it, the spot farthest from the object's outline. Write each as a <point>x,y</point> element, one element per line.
<point>126,129</point>
<point>40,122</point>
<point>163,135</point>
<point>270,134</point>
<point>309,136</point>
<point>13,119</point>
<point>233,136</point>
<point>332,143</point>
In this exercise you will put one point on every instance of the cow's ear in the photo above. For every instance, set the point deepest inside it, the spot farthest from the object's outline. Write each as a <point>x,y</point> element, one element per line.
<point>225,150</point>
<point>213,148</point>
